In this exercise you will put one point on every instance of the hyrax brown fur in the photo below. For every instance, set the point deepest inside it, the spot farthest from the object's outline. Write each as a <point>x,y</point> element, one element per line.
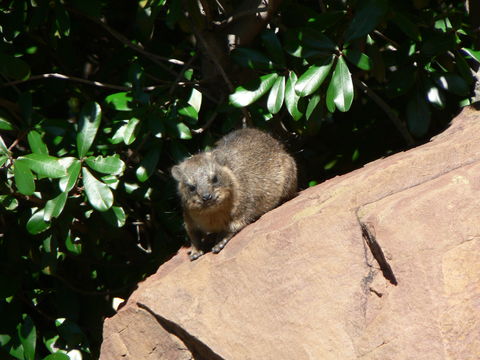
<point>247,174</point>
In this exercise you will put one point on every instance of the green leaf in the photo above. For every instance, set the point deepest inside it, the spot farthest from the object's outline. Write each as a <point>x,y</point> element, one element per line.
<point>148,164</point>
<point>9,203</point>
<point>26,108</point>
<point>98,193</point>
<point>117,138</point>
<point>330,165</point>
<point>408,27</point>
<point>401,81</point>
<point>50,343</point>
<point>317,40</point>
<point>310,80</point>
<point>14,68</point>
<point>115,216</point>
<point>437,44</point>
<point>28,337</point>
<point>23,178</point>
<point>291,97</point>
<point>69,331</point>
<point>312,105</point>
<point>195,100</point>
<point>45,165</point>
<point>111,180</point>
<point>107,165</point>
<point>293,43</point>
<point>62,19</point>
<point>54,207</point>
<point>57,356</point>
<point>246,96</point>
<point>3,147</point>
<point>5,123</point>
<point>73,245</point>
<point>367,17</point>
<point>474,54</point>
<point>252,59</point>
<point>194,104</point>
<point>435,96</point>
<point>418,115</point>
<point>453,83</point>
<point>68,182</point>
<point>184,131</point>
<point>3,160</point>
<point>178,151</point>
<point>308,43</point>
<point>327,19</point>
<point>463,68</point>
<point>89,122</point>
<point>355,155</point>
<point>188,111</point>
<point>443,24</point>
<point>276,95</point>
<point>120,101</point>
<point>340,90</point>
<point>131,131</point>
<point>358,59</point>
<point>36,224</point>
<point>36,143</point>
<point>273,47</point>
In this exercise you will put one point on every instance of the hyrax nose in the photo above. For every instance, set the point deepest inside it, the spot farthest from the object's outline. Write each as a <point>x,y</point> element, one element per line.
<point>206,197</point>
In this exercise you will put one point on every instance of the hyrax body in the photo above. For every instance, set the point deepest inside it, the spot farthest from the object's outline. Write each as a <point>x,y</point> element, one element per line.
<point>227,188</point>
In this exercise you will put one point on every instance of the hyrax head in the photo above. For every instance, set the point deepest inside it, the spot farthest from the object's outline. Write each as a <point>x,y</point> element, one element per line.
<point>203,184</point>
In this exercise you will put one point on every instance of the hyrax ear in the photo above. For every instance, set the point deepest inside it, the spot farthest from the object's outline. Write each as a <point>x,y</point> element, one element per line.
<point>177,173</point>
<point>219,158</point>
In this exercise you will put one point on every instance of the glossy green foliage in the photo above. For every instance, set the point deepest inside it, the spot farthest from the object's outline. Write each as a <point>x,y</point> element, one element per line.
<point>100,98</point>
<point>418,50</point>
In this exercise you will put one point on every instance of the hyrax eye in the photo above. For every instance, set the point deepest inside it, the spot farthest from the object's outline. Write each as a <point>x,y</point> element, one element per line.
<point>214,179</point>
<point>192,188</point>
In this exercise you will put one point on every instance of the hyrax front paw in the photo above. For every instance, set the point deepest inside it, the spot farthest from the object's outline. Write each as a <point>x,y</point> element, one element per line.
<point>195,254</point>
<point>217,248</point>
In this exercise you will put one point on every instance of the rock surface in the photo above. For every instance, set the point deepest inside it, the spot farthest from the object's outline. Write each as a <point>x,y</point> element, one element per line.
<point>382,263</point>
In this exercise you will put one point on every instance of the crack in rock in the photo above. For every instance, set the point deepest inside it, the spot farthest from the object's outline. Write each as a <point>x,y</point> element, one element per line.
<point>198,349</point>
<point>377,252</point>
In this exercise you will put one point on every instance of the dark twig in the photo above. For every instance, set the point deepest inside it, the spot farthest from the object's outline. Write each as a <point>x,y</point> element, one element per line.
<point>65,77</point>
<point>388,110</point>
<point>180,74</point>
<point>393,42</point>
<point>91,82</point>
<point>220,68</point>
<point>207,124</point>
<point>120,37</point>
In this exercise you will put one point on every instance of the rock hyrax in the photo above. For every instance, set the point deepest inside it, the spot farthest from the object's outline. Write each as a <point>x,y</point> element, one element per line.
<point>247,174</point>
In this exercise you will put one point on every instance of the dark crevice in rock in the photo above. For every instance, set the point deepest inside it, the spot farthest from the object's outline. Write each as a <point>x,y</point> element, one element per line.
<point>199,350</point>
<point>371,241</point>
<point>379,294</point>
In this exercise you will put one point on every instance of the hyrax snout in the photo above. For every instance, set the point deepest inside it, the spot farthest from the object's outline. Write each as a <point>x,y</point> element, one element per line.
<point>247,174</point>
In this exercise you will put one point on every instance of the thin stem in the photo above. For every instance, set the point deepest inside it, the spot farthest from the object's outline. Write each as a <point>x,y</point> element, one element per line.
<point>89,82</point>
<point>388,110</point>
<point>180,74</point>
<point>65,77</point>
<point>120,37</point>
<point>220,68</point>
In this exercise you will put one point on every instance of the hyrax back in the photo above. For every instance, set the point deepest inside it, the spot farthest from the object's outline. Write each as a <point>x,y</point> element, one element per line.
<point>223,190</point>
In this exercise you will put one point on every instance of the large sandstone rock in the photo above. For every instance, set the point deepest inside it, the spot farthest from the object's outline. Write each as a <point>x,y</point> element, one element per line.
<point>382,263</point>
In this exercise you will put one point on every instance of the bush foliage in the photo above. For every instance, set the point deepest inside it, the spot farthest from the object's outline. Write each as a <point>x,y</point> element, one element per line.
<point>99,98</point>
